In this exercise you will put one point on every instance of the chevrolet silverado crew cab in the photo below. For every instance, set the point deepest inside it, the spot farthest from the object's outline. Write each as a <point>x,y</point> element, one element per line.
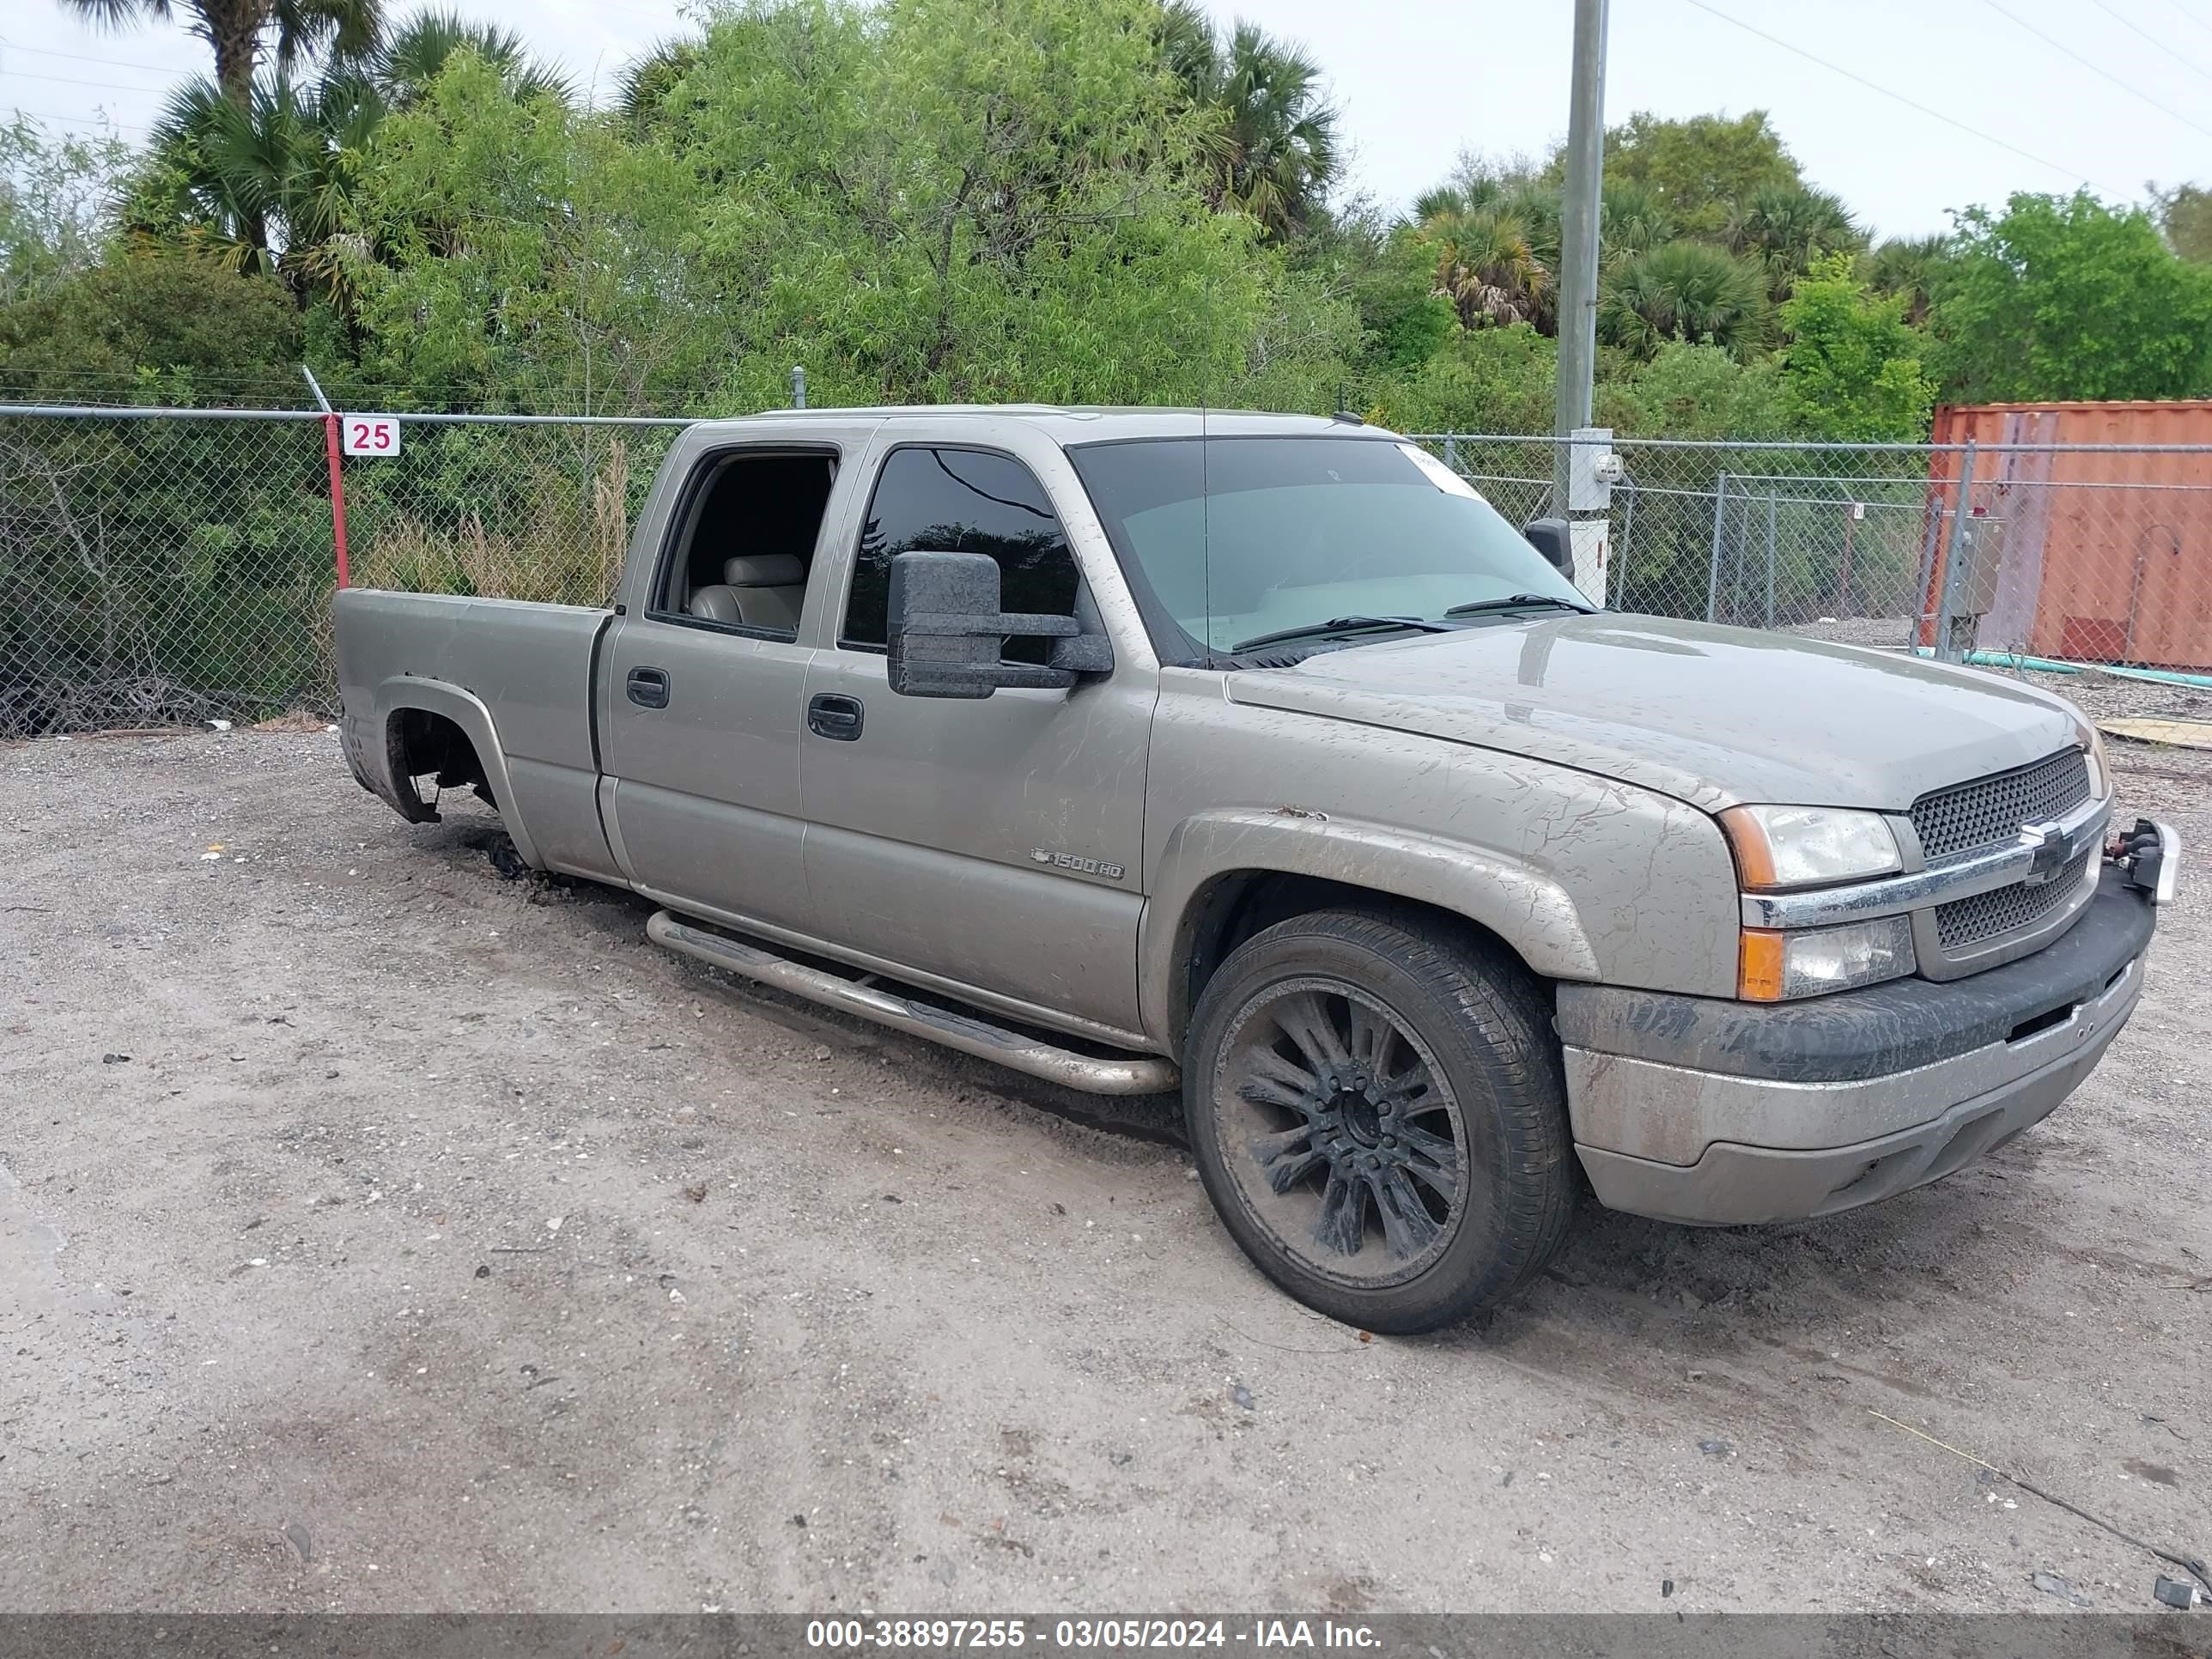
<point>1260,754</point>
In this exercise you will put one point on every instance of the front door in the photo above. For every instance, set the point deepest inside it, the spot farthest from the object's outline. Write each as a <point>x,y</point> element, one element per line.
<point>996,842</point>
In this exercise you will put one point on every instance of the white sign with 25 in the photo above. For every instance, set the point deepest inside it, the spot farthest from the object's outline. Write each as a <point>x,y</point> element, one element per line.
<point>370,434</point>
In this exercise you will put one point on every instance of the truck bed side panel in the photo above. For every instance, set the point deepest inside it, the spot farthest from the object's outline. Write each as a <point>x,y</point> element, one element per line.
<point>527,666</point>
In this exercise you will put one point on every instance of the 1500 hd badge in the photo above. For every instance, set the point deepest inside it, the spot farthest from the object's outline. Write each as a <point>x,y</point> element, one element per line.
<point>1081,866</point>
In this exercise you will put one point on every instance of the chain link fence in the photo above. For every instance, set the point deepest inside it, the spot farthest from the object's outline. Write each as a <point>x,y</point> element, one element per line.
<point>164,566</point>
<point>161,568</point>
<point>2069,554</point>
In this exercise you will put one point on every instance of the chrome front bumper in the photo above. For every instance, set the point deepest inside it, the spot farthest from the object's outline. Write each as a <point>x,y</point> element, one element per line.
<point>1715,1113</point>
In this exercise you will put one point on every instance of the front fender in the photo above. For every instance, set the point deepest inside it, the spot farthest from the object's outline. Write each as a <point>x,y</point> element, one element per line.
<point>1526,908</point>
<point>377,763</point>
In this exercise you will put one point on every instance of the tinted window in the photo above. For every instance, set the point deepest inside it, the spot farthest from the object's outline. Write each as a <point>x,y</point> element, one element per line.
<point>963,501</point>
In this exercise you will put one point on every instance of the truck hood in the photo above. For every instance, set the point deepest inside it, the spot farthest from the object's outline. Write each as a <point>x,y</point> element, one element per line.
<point>1714,716</point>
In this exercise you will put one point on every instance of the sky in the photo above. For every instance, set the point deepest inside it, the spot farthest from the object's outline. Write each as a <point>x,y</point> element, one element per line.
<point>2113,94</point>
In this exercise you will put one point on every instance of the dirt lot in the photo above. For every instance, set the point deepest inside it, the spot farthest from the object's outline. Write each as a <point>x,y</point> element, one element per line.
<point>379,1233</point>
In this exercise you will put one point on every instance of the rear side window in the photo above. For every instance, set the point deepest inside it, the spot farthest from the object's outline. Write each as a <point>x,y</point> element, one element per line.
<point>962,500</point>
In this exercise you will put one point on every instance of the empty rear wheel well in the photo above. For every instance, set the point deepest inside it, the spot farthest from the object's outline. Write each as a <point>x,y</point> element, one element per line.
<point>424,744</point>
<point>1235,906</point>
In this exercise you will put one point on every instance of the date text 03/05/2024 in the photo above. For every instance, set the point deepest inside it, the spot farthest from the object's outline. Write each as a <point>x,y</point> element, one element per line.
<point>852,1635</point>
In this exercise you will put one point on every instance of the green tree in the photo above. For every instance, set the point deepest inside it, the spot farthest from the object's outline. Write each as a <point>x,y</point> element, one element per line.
<point>1270,138</point>
<point>1851,367</point>
<point>1486,264</point>
<point>2064,297</point>
<point>1909,267</point>
<point>1388,272</point>
<point>1687,390</point>
<point>1632,218</point>
<point>56,195</point>
<point>155,329</point>
<point>1489,379</point>
<point>1033,226</point>
<point>648,85</point>
<point>529,256</point>
<point>235,29</point>
<point>1688,291</point>
<point>270,187</point>
<point>1788,228</point>
<point>2184,214</point>
<point>1702,168</point>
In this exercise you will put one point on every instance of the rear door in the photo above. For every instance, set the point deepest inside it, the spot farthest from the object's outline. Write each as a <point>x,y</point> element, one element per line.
<point>996,843</point>
<point>700,718</point>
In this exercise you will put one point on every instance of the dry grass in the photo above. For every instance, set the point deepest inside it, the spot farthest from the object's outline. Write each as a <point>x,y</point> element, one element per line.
<point>566,547</point>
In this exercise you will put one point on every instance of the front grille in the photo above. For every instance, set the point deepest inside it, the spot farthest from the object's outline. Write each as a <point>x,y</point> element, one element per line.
<point>1991,811</point>
<point>1964,923</point>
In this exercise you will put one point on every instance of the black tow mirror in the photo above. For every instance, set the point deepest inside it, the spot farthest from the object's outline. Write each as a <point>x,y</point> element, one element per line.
<point>1552,538</point>
<point>946,632</point>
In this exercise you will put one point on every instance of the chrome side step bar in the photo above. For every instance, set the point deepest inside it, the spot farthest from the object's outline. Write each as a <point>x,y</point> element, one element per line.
<point>1137,1074</point>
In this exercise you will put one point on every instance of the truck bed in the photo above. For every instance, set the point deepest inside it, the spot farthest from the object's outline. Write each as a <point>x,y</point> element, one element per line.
<point>515,677</point>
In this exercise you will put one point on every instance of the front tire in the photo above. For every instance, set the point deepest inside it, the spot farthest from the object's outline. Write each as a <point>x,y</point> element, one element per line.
<point>1379,1116</point>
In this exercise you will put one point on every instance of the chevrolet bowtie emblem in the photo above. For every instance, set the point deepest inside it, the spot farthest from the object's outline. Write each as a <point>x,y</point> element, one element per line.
<point>2053,850</point>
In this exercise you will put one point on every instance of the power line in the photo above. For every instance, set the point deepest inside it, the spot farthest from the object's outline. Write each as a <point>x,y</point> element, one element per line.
<point>1895,97</point>
<point>102,119</point>
<point>2061,46</point>
<point>66,81</point>
<point>2129,23</point>
<point>89,57</point>
<point>2190,17</point>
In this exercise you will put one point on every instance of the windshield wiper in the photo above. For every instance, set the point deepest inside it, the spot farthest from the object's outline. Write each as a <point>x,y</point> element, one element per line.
<point>1340,625</point>
<point>1519,601</point>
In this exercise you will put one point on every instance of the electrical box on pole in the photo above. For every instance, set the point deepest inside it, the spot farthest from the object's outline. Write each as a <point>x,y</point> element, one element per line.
<point>1593,469</point>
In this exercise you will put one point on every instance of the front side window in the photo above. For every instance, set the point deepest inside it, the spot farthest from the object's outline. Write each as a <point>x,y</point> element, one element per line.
<point>962,500</point>
<point>1239,539</point>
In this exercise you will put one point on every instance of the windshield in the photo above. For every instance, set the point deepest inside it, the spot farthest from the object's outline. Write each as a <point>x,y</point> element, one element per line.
<point>1239,539</point>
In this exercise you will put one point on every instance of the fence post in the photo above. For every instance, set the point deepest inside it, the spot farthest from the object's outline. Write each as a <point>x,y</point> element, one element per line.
<point>1947,649</point>
<point>1771,497</point>
<point>799,386</point>
<point>1844,573</point>
<point>1713,570</point>
<point>1451,450</point>
<point>1620,553</point>
<point>331,449</point>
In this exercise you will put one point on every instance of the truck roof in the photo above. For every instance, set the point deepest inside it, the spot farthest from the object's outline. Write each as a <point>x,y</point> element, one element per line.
<point>1079,424</point>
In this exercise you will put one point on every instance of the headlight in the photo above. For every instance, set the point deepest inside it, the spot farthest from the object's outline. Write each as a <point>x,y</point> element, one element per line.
<point>1776,967</point>
<point>2100,772</point>
<point>1779,846</point>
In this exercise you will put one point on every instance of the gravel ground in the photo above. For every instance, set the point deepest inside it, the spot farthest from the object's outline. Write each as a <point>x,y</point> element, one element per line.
<point>380,1233</point>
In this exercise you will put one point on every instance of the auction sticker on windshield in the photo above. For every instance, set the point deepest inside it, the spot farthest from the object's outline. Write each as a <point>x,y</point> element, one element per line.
<point>1440,475</point>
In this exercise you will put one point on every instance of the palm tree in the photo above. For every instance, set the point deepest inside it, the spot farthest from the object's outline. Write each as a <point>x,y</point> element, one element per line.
<point>1786,228</point>
<point>1632,218</point>
<point>404,66</point>
<point>1488,268</point>
<point>1909,265</point>
<point>1683,290</point>
<point>234,30</point>
<point>270,188</point>
<point>649,81</point>
<point>1271,143</point>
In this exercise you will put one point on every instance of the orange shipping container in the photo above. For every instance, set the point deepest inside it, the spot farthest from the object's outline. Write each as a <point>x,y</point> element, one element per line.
<point>2099,554</point>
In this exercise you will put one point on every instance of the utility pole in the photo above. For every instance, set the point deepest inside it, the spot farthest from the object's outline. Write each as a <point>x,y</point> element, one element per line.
<point>1579,240</point>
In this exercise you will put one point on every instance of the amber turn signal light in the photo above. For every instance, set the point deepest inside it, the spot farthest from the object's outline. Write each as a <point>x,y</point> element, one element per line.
<point>1758,973</point>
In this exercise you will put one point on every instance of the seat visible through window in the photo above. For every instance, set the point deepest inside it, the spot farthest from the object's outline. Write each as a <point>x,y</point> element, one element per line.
<point>764,590</point>
<point>751,542</point>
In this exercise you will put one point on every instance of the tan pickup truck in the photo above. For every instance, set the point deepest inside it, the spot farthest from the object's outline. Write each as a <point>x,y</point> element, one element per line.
<point>1259,755</point>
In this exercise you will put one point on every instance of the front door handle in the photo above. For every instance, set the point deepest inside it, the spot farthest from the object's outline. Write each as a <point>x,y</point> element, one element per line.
<point>830,716</point>
<point>648,688</point>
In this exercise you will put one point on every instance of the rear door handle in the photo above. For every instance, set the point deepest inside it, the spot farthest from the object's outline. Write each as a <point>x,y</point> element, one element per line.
<point>830,716</point>
<point>648,688</point>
